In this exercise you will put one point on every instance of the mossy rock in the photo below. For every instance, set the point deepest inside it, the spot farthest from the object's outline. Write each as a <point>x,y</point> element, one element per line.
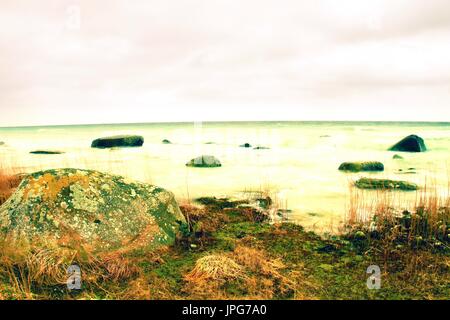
<point>397,157</point>
<point>204,162</point>
<point>46,152</point>
<point>361,166</point>
<point>264,203</point>
<point>165,141</point>
<point>385,184</point>
<point>411,143</point>
<point>245,145</point>
<point>118,141</point>
<point>80,208</point>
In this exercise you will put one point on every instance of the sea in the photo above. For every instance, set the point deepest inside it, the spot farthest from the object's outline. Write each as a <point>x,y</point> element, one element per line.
<point>296,164</point>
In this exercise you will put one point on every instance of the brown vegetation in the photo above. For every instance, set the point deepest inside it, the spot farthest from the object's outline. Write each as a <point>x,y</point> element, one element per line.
<point>8,184</point>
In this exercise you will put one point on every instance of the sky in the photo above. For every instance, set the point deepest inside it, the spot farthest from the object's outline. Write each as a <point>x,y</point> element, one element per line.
<point>118,61</point>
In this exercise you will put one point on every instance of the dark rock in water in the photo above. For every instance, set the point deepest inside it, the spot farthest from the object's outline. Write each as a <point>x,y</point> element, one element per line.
<point>411,143</point>
<point>264,203</point>
<point>384,184</point>
<point>46,152</point>
<point>118,141</point>
<point>1,143</point>
<point>246,145</point>
<point>361,166</point>
<point>401,171</point>
<point>261,148</point>
<point>284,214</point>
<point>165,141</point>
<point>204,162</point>
<point>77,209</point>
<point>220,203</point>
<point>397,157</point>
<point>313,214</point>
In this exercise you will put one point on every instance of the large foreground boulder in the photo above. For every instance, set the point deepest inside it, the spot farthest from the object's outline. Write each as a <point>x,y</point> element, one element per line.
<point>73,208</point>
<point>411,143</point>
<point>361,166</point>
<point>118,142</point>
<point>204,162</point>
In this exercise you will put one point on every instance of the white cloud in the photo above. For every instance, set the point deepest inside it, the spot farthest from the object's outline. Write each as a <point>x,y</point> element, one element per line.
<point>251,60</point>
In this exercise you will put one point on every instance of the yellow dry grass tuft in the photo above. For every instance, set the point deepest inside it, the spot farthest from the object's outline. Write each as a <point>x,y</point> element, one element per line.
<point>8,184</point>
<point>257,261</point>
<point>245,273</point>
<point>119,267</point>
<point>269,271</point>
<point>215,267</point>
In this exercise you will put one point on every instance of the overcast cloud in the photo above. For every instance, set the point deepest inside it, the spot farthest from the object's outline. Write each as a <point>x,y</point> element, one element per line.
<point>192,60</point>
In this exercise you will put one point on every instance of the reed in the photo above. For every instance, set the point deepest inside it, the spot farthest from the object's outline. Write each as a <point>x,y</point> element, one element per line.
<point>9,181</point>
<point>419,219</point>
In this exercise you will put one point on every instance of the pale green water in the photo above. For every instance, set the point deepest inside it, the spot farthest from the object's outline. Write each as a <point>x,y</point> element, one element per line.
<point>300,167</point>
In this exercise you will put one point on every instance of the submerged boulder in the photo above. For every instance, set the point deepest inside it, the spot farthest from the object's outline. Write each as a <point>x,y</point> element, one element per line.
<point>46,152</point>
<point>1,143</point>
<point>118,141</point>
<point>385,184</point>
<point>361,166</point>
<point>204,162</point>
<point>245,145</point>
<point>87,209</point>
<point>411,143</point>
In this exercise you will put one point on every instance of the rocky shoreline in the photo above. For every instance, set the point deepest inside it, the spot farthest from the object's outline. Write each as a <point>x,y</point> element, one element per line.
<point>135,239</point>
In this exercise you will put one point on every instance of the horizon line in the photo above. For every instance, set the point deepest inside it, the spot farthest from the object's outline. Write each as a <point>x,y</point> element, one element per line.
<point>215,121</point>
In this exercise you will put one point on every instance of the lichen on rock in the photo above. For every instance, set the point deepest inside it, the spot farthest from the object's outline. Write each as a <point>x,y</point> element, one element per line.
<point>82,208</point>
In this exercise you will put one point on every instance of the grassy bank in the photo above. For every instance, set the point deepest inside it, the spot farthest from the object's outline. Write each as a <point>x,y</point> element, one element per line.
<point>231,251</point>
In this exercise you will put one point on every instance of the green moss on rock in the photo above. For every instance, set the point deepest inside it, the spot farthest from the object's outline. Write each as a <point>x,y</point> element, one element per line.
<point>73,208</point>
<point>118,141</point>
<point>385,184</point>
<point>361,166</point>
<point>204,162</point>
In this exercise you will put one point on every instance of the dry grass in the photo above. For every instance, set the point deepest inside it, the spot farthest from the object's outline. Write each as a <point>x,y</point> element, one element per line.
<point>8,184</point>
<point>31,269</point>
<point>215,267</point>
<point>427,216</point>
<point>399,227</point>
<point>201,221</point>
<point>271,278</point>
<point>119,267</point>
<point>257,261</point>
<point>245,273</point>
